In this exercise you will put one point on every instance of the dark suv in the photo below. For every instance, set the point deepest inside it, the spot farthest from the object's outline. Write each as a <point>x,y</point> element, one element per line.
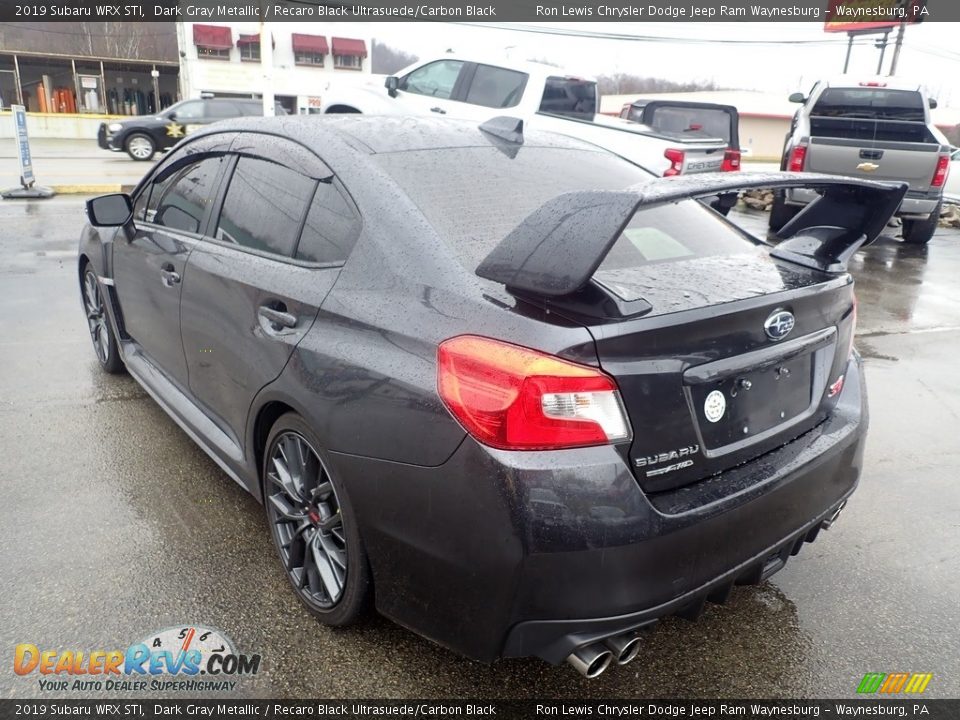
<point>534,396</point>
<point>142,136</point>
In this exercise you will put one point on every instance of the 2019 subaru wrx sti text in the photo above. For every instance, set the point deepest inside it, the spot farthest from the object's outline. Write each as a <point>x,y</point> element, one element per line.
<point>532,395</point>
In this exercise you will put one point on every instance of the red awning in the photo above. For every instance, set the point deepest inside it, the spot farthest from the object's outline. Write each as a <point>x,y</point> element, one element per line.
<point>248,39</point>
<point>346,46</point>
<point>213,37</point>
<point>310,44</point>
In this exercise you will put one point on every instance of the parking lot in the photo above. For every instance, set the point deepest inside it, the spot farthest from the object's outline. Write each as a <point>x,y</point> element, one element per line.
<point>116,524</point>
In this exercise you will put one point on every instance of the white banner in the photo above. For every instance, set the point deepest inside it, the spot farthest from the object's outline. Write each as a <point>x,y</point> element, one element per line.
<point>23,145</point>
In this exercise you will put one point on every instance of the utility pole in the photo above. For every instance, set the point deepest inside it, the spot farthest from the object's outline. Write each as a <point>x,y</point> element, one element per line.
<point>896,49</point>
<point>266,65</point>
<point>882,44</point>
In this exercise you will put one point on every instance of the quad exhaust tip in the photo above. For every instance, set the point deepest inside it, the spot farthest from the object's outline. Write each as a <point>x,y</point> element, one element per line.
<point>591,660</point>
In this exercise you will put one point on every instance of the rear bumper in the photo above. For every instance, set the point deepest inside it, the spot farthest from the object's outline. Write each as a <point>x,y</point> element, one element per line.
<point>499,554</point>
<point>914,206</point>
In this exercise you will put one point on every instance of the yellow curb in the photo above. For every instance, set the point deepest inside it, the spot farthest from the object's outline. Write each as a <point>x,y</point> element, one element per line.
<point>86,189</point>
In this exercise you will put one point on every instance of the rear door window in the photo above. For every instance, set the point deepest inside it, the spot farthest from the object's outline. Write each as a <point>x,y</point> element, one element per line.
<point>570,97</point>
<point>496,87</point>
<point>264,207</point>
<point>331,227</point>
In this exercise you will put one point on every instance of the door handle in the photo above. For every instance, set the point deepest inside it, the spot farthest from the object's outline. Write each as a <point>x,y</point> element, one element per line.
<point>438,110</point>
<point>278,319</point>
<point>168,275</point>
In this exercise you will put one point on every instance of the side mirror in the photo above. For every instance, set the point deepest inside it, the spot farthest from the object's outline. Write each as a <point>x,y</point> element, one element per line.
<point>172,115</point>
<point>392,83</point>
<point>932,102</point>
<point>797,97</point>
<point>110,210</point>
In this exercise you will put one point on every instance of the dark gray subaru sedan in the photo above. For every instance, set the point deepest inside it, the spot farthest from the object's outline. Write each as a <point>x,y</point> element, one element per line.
<point>533,396</point>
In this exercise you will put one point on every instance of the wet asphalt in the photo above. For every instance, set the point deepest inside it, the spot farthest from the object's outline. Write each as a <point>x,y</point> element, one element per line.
<point>113,524</point>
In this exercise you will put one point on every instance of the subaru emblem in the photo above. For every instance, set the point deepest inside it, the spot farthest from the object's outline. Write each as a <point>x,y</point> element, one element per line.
<point>779,324</point>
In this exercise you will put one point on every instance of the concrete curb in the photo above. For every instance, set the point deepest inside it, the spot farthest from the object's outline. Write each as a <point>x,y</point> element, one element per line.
<point>91,189</point>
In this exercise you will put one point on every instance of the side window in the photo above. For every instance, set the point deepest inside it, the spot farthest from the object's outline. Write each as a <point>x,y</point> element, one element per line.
<point>331,228</point>
<point>264,206</point>
<point>221,110</point>
<point>436,79</point>
<point>190,111</point>
<point>496,87</point>
<point>180,201</point>
<point>140,205</point>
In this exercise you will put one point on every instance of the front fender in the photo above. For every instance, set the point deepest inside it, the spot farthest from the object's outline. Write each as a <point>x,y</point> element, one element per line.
<point>367,99</point>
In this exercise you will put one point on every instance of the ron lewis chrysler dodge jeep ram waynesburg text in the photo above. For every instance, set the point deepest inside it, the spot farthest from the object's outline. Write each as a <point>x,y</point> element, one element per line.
<point>535,396</point>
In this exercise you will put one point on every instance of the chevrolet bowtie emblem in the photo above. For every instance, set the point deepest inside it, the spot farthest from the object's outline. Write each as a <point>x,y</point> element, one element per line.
<point>867,167</point>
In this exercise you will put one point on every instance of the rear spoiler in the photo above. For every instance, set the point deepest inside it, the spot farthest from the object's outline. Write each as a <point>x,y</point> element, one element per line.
<point>557,248</point>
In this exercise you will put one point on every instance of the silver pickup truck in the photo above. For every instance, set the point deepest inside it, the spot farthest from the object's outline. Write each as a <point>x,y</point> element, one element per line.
<point>879,129</point>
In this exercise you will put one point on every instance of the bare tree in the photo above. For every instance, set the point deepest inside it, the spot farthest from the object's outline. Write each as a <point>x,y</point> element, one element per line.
<point>386,60</point>
<point>625,84</point>
<point>122,40</point>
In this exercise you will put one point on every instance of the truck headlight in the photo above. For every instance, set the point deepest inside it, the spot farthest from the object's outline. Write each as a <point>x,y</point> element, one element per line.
<point>114,127</point>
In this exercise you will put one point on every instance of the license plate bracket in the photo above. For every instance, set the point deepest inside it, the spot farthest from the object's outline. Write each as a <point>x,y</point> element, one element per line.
<point>755,399</point>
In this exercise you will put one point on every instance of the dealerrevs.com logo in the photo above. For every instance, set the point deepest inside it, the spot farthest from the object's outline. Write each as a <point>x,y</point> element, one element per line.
<point>185,658</point>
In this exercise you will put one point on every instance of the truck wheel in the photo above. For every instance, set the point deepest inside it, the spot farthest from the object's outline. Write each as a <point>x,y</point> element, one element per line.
<point>780,212</point>
<point>920,232</point>
<point>140,146</point>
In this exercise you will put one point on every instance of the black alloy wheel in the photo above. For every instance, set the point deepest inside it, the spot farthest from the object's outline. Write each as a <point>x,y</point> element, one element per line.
<point>98,323</point>
<point>312,529</point>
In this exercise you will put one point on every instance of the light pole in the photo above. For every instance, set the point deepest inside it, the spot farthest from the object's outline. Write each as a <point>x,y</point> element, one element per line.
<point>266,65</point>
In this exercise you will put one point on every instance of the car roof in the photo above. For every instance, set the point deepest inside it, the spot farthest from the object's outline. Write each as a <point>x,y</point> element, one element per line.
<point>375,134</point>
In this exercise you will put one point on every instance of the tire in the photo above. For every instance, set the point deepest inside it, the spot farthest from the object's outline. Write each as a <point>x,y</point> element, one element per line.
<point>780,212</point>
<point>140,147</point>
<point>920,232</point>
<point>96,308</point>
<point>313,526</point>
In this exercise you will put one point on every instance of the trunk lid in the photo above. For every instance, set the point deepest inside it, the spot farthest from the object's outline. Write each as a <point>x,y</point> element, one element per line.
<point>705,386</point>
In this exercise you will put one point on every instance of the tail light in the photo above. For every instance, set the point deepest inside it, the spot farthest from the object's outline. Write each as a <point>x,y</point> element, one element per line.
<point>837,387</point>
<point>731,160</point>
<point>514,398</point>
<point>873,84</point>
<point>853,326</point>
<point>676,161</point>
<point>940,174</point>
<point>798,157</point>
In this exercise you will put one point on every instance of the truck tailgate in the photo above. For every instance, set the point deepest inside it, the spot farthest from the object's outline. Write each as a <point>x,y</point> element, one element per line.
<point>914,163</point>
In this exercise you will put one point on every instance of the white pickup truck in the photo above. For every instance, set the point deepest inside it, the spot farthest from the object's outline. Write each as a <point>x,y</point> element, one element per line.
<point>543,96</point>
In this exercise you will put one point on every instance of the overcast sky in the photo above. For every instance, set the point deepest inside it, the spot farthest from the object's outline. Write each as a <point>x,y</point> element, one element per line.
<point>931,51</point>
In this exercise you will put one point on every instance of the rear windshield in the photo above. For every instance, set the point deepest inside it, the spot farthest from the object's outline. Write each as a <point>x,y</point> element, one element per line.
<point>474,197</point>
<point>871,103</point>
<point>694,122</point>
<point>570,97</point>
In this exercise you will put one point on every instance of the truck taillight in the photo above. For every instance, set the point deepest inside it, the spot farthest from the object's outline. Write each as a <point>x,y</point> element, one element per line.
<point>676,162</point>
<point>515,398</point>
<point>940,174</point>
<point>731,160</point>
<point>798,157</point>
